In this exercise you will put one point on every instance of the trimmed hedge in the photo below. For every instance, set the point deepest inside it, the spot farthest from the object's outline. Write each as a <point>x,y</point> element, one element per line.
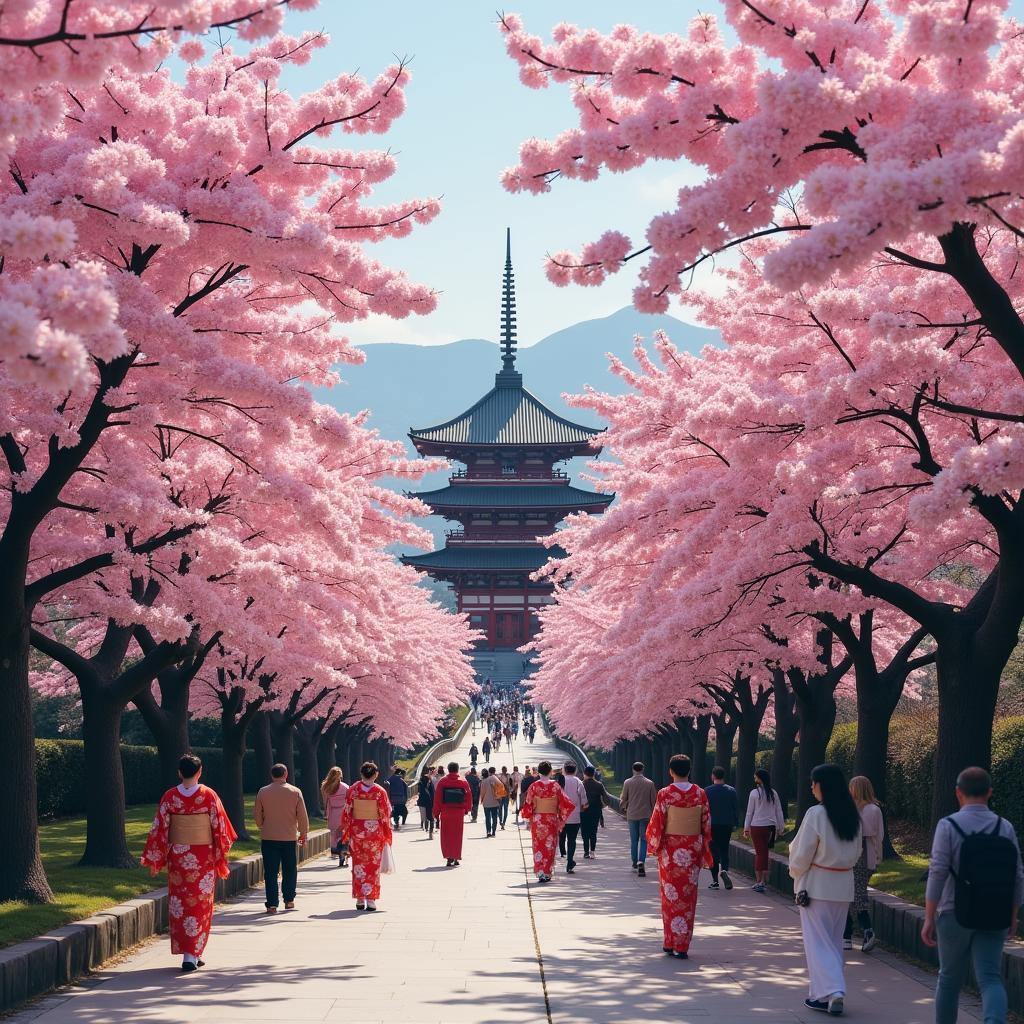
<point>911,765</point>
<point>61,780</point>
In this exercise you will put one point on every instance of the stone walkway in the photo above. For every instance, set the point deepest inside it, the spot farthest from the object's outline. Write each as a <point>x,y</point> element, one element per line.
<point>481,943</point>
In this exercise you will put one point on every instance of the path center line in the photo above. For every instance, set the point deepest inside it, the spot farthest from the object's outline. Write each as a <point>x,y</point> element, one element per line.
<point>533,925</point>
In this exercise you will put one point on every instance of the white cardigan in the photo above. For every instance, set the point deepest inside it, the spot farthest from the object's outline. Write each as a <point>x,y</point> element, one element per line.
<point>763,813</point>
<point>815,849</point>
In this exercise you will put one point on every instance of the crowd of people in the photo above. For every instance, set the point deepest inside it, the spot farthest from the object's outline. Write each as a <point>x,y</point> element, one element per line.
<point>975,881</point>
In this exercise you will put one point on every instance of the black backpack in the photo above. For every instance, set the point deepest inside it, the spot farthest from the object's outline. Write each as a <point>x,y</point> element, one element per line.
<point>986,879</point>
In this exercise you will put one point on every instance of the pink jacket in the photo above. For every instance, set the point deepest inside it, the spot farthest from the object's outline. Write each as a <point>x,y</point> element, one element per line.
<point>335,805</point>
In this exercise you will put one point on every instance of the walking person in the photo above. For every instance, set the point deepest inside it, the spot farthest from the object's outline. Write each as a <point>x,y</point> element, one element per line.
<point>280,815</point>
<point>366,827</point>
<point>474,754</point>
<point>529,777</point>
<point>332,800</point>
<point>473,780</point>
<point>452,796</point>
<point>597,797</point>
<point>425,802</point>
<point>487,749</point>
<point>190,836</point>
<point>679,835</point>
<point>398,794</point>
<point>516,779</point>
<point>974,893</point>
<point>763,823</point>
<point>545,807</point>
<point>637,801</point>
<point>821,860</point>
<point>725,816</point>
<point>576,793</point>
<point>489,798</point>
<point>504,794</point>
<point>872,829</point>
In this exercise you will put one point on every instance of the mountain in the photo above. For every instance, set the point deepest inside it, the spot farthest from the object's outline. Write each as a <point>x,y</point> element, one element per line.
<point>418,386</point>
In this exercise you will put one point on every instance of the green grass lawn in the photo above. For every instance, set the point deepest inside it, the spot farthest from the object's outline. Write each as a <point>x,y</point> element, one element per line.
<point>600,761</point>
<point>79,892</point>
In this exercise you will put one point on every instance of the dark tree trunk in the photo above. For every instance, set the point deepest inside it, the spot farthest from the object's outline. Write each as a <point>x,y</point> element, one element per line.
<point>307,738</point>
<point>168,722</point>
<point>701,729</point>
<point>105,843</point>
<point>283,732</point>
<point>746,748</point>
<point>21,868</point>
<point>232,793</point>
<point>725,733</point>
<point>968,688</point>
<point>326,750</point>
<point>263,747</point>
<point>787,722</point>
<point>817,712</point>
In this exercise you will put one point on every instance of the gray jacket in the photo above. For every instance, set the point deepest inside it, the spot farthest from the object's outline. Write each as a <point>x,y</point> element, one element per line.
<point>639,795</point>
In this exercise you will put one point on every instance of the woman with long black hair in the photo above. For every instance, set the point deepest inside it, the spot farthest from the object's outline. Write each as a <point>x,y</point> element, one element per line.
<point>822,857</point>
<point>764,816</point>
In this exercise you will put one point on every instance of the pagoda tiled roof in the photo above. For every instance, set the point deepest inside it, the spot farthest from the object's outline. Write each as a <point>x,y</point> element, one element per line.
<point>512,495</point>
<point>522,559</point>
<point>507,415</point>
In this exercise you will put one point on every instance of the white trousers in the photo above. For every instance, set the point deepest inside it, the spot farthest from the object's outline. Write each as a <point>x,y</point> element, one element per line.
<point>822,924</point>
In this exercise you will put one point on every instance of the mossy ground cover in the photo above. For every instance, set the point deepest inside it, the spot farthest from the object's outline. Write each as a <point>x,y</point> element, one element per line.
<point>79,892</point>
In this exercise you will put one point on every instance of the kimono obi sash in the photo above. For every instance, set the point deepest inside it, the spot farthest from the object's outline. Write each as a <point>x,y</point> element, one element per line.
<point>683,821</point>
<point>451,795</point>
<point>365,810</point>
<point>546,805</point>
<point>191,830</point>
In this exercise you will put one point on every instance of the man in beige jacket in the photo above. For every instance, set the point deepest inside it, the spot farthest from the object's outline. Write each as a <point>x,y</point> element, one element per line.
<point>637,804</point>
<point>280,815</point>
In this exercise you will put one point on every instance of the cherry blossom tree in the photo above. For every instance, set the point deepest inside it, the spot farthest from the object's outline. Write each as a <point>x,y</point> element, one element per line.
<point>864,159</point>
<point>159,243</point>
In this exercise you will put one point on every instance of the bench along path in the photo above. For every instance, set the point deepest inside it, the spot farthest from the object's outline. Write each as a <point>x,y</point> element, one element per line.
<point>483,943</point>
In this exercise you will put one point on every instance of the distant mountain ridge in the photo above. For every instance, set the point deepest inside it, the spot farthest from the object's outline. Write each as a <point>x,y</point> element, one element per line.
<point>408,386</point>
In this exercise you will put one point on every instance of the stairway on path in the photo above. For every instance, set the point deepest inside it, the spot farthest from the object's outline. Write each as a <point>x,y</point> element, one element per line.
<point>503,668</point>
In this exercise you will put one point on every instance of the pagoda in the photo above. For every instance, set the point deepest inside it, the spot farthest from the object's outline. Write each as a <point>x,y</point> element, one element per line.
<point>509,496</point>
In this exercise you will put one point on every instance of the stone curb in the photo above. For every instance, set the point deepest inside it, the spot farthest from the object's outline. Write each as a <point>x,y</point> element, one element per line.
<point>31,968</point>
<point>897,923</point>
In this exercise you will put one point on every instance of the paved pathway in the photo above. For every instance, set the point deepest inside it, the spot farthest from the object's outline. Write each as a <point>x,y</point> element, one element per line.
<point>462,945</point>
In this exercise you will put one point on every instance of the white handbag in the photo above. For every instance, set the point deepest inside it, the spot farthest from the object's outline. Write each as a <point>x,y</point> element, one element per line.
<point>387,861</point>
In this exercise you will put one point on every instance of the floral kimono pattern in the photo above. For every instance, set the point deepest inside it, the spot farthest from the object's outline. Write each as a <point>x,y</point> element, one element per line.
<point>366,839</point>
<point>680,859</point>
<point>544,827</point>
<point>192,870</point>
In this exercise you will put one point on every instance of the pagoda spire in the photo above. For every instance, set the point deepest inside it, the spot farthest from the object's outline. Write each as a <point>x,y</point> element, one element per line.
<point>508,311</point>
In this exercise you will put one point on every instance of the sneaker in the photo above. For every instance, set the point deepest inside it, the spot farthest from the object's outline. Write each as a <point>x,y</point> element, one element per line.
<point>817,1004</point>
<point>758,887</point>
<point>682,955</point>
<point>635,865</point>
<point>188,966</point>
<point>360,904</point>
<point>869,941</point>
<point>714,885</point>
<point>835,1005</point>
<point>641,872</point>
<point>669,950</point>
<point>726,880</point>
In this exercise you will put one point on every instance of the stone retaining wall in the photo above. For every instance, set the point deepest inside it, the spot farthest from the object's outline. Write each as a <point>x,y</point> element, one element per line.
<point>31,968</point>
<point>897,923</point>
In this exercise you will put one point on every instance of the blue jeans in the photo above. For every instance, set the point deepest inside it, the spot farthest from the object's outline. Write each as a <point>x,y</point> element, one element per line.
<point>503,811</point>
<point>491,819</point>
<point>985,949</point>
<point>638,841</point>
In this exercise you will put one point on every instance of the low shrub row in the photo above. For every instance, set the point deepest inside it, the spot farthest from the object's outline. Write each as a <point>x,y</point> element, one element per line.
<point>61,779</point>
<point>911,768</point>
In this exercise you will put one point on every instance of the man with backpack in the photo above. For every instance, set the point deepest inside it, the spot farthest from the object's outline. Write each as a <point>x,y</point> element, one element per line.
<point>975,887</point>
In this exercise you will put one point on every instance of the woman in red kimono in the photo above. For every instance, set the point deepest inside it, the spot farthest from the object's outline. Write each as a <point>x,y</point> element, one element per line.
<point>452,801</point>
<point>191,836</point>
<point>546,808</point>
<point>366,828</point>
<point>679,834</point>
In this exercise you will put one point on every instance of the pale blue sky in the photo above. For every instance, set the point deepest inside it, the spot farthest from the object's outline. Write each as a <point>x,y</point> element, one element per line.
<point>466,115</point>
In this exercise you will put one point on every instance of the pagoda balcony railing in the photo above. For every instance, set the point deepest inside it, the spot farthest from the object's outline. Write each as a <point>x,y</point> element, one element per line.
<point>526,476</point>
<point>496,536</point>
